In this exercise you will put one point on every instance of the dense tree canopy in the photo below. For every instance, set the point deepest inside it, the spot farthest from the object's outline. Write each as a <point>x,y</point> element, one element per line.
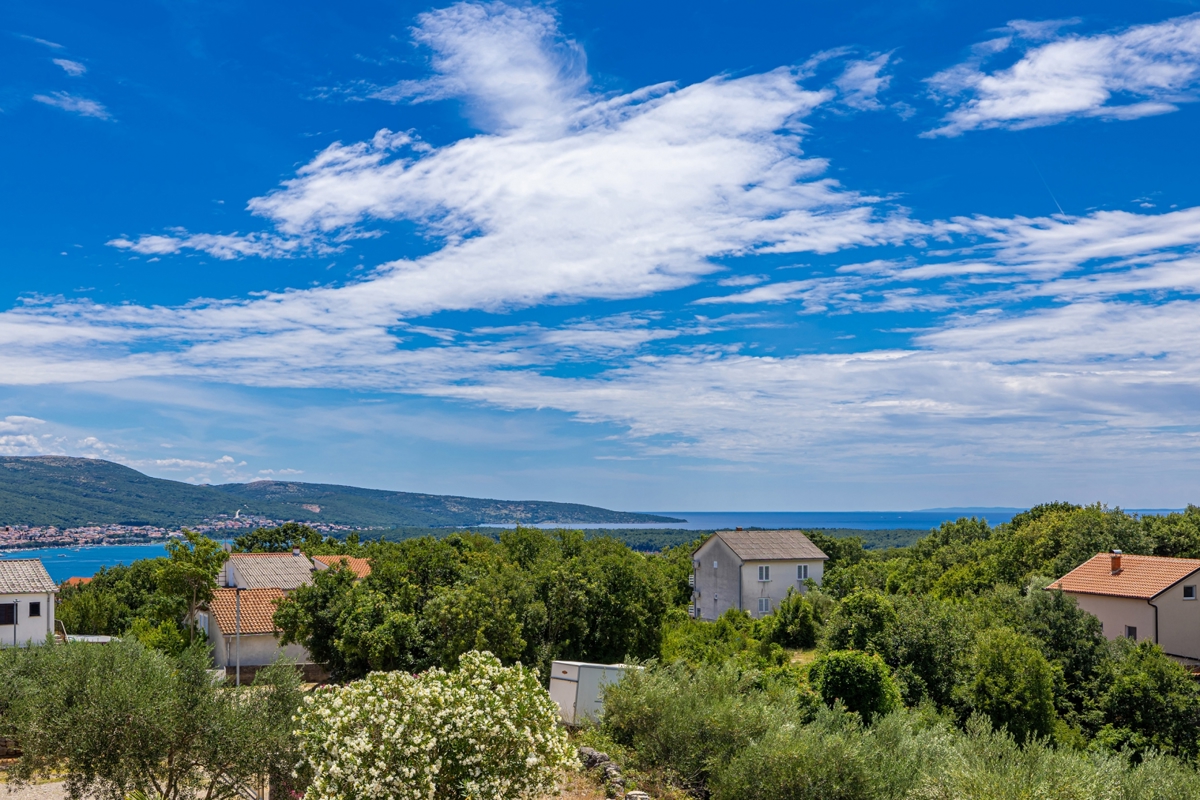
<point>532,597</point>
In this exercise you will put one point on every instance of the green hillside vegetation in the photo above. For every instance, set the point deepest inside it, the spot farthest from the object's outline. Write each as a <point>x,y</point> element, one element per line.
<point>66,492</point>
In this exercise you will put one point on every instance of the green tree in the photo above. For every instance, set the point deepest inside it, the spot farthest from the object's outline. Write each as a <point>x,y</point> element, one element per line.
<point>863,621</point>
<point>312,615</point>
<point>121,719</point>
<point>1013,684</point>
<point>1153,702</point>
<point>794,623</point>
<point>191,570</point>
<point>862,681</point>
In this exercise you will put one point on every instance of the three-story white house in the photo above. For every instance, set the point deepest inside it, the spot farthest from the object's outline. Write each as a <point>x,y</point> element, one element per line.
<point>752,571</point>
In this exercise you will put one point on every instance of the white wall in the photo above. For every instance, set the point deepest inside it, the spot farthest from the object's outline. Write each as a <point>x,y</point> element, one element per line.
<point>257,649</point>
<point>783,577</point>
<point>29,630</point>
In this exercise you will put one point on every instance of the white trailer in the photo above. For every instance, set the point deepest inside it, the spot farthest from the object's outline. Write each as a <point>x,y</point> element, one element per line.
<point>577,687</point>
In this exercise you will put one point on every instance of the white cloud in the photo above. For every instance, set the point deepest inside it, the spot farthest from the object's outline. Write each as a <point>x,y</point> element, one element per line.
<point>74,104</point>
<point>509,63</point>
<point>72,68</point>
<point>1137,72</point>
<point>223,246</point>
<point>861,82</point>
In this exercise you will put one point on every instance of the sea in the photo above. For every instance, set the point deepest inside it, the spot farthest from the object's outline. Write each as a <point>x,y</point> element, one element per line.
<point>68,562</point>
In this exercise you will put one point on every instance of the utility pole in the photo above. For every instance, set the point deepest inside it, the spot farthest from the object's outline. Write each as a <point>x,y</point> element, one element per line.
<point>237,647</point>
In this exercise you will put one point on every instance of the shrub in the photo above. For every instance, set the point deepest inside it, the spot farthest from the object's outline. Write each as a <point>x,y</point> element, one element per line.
<point>860,680</point>
<point>485,731</point>
<point>1013,684</point>
<point>864,621</point>
<point>794,623</point>
<point>120,718</point>
<point>1152,703</point>
<point>691,720</point>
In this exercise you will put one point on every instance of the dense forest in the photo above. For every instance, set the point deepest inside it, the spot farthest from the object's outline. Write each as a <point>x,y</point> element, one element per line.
<point>951,644</point>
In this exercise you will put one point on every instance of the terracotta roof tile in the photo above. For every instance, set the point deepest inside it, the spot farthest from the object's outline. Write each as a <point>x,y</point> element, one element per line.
<point>25,576</point>
<point>76,581</point>
<point>1140,576</point>
<point>771,545</point>
<point>359,566</point>
<point>258,608</point>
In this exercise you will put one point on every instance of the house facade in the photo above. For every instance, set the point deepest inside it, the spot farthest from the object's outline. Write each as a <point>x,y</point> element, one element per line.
<point>241,629</point>
<point>1141,597</point>
<point>239,621</point>
<point>27,596</point>
<point>752,571</point>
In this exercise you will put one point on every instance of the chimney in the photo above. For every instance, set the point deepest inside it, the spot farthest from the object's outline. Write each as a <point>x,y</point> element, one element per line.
<point>1115,555</point>
<point>296,550</point>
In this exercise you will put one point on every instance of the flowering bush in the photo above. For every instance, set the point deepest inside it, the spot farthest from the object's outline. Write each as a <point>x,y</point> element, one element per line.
<point>485,732</point>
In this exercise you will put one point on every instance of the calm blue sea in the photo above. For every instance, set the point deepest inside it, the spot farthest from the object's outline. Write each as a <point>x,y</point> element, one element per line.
<point>70,562</point>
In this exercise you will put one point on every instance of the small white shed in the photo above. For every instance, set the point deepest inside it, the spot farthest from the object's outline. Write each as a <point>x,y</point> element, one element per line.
<point>577,687</point>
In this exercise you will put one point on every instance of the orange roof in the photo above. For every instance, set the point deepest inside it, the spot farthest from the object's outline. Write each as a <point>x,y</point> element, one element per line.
<point>76,581</point>
<point>1142,577</point>
<point>359,566</point>
<point>258,607</point>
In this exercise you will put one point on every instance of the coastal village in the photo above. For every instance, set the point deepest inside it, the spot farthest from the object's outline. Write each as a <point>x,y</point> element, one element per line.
<point>30,537</point>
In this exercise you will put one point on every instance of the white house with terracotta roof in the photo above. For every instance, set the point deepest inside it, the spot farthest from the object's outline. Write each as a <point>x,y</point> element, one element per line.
<point>1141,597</point>
<point>752,570</point>
<point>27,597</point>
<point>250,613</point>
<point>361,567</point>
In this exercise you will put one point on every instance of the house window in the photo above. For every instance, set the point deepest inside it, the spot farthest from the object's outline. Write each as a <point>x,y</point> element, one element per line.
<point>764,573</point>
<point>1189,593</point>
<point>35,609</point>
<point>802,572</point>
<point>764,604</point>
<point>8,613</point>
<point>1130,632</point>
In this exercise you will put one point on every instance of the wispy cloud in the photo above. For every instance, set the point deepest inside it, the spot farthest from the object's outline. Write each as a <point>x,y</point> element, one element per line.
<point>74,104</point>
<point>72,68</point>
<point>223,246</point>
<point>1137,72</point>
<point>861,82</point>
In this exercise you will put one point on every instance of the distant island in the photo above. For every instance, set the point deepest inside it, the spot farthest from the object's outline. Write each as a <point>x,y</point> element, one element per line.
<point>64,492</point>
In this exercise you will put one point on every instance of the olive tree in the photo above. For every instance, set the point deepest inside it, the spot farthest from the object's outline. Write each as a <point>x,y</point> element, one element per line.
<point>120,718</point>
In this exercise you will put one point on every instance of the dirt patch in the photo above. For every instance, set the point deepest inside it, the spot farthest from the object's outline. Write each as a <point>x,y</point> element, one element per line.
<point>33,791</point>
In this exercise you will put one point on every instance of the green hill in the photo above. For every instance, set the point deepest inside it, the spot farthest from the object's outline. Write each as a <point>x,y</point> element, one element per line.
<point>66,492</point>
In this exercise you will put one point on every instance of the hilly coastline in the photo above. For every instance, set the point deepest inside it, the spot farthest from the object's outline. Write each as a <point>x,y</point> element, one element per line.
<point>67,492</point>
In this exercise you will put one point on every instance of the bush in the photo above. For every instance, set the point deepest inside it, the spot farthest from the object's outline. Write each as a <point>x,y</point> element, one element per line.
<point>1152,703</point>
<point>794,623</point>
<point>860,680</point>
<point>483,731</point>
<point>692,720</point>
<point>864,621</point>
<point>121,718</point>
<point>1013,684</point>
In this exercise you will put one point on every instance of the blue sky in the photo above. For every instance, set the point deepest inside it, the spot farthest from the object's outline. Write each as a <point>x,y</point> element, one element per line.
<point>654,256</point>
